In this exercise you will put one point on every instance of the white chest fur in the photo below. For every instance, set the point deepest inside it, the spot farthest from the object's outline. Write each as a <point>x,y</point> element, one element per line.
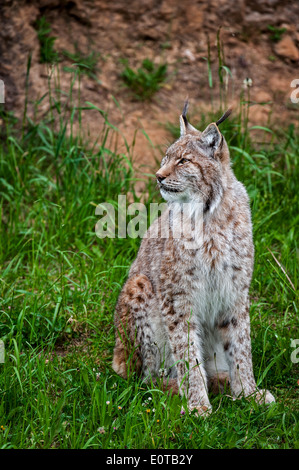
<point>214,291</point>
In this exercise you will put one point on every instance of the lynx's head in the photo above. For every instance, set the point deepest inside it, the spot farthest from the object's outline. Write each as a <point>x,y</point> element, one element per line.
<point>196,166</point>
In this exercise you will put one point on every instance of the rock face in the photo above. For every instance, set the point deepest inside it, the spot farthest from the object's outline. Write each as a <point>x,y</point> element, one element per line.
<point>17,40</point>
<point>286,49</point>
<point>169,31</point>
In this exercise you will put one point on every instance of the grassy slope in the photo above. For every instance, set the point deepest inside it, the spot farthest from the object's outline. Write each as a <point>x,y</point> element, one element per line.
<point>59,285</point>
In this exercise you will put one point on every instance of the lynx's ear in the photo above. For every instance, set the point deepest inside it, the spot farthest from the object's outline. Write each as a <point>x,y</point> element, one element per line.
<point>211,140</point>
<point>185,127</point>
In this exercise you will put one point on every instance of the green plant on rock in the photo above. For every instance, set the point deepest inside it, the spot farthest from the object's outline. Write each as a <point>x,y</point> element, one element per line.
<point>146,81</point>
<point>276,33</point>
<point>47,52</point>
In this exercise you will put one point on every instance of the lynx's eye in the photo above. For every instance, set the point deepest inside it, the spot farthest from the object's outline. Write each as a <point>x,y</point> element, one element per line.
<point>182,161</point>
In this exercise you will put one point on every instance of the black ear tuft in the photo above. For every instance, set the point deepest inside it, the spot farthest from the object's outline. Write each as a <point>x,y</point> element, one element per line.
<point>184,112</point>
<point>185,109</point>
<point>225,116</point>
<point>185,126</point>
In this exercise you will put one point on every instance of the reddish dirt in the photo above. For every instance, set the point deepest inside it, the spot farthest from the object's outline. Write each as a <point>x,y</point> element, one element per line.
<point>168,31</point>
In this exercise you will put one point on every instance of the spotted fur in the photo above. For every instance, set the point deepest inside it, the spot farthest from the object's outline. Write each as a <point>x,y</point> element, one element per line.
<point>185,310</point>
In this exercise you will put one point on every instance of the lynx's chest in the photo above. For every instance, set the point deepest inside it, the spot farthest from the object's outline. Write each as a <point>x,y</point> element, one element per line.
<point>216,278</point>
<point>212,294</point>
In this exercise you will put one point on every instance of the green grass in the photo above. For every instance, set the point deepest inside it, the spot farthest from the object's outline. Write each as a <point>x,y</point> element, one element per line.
<point>86,63</point>
<point>60,283</point>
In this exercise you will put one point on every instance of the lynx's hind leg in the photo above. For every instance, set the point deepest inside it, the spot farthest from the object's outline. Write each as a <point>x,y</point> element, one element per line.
<point>134,348</point>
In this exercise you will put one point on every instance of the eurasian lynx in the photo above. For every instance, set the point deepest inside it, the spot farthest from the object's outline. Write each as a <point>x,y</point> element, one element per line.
<point>185,309</point>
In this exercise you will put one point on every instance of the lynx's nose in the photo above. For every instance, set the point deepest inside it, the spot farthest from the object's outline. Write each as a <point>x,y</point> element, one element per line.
<point>160,177</point>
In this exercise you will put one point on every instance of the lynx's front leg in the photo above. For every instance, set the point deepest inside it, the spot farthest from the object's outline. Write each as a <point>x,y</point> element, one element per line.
<point>186,349</point>
<point>235,333</point>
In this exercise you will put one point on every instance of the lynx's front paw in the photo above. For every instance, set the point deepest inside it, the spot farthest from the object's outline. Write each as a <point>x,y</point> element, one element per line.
<point>203,410</point>
<point>200,410</point>
<point>264,397</point>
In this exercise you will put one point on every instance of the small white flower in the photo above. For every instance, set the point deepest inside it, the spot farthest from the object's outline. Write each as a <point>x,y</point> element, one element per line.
<point>107,402</point>
<point>247,82</point>
<point>71,320</point>
<point>162,372</point>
